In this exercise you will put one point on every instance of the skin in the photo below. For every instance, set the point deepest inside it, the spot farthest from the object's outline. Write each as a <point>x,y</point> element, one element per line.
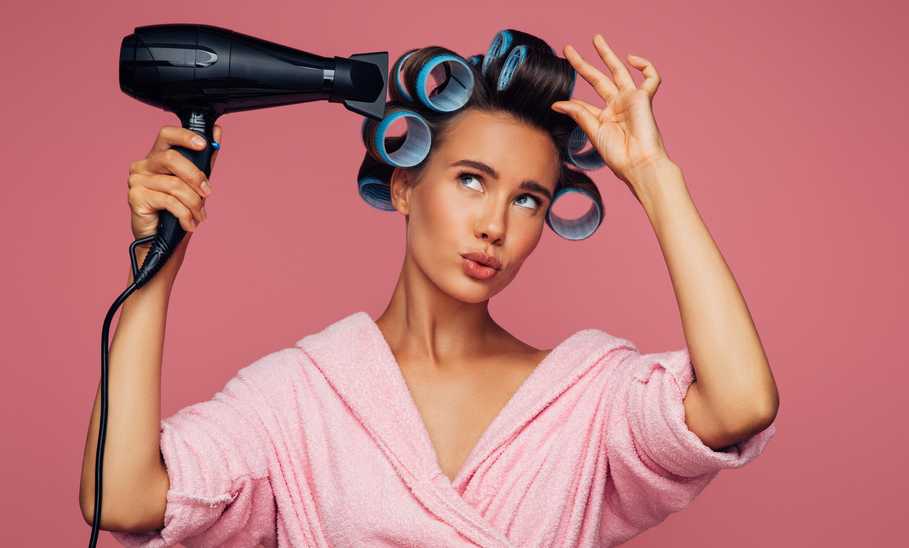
<point>735,395</point>
<point>460,365</point>
<point>438,324</point>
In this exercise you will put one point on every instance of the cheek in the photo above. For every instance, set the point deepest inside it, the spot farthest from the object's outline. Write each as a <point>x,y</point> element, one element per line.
<point>444,210</point>
<point>523,246</point>
<point>526,239</point>
<point>437,224</point>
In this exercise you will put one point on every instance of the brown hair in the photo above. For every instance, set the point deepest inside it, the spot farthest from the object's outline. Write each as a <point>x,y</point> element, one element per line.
<point>541,79</point>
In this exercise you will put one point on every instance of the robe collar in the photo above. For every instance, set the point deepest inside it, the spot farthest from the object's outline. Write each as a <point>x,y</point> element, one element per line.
<point>357,361</point>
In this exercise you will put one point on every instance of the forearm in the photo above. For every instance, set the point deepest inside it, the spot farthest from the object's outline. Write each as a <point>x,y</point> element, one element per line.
<point>731,368</point>
<point>132,445</point>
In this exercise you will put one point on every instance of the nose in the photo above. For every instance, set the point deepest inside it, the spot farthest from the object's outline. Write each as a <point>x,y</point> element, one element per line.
<point>490,223</point>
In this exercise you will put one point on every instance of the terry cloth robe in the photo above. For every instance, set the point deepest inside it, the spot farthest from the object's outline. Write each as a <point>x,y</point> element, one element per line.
<point>321,444</point>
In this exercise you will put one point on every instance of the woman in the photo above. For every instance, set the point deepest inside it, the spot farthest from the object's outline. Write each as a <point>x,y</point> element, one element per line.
<point>432,425</point>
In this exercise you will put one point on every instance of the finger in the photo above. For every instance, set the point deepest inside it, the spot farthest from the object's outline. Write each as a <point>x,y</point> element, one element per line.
<point>173,162</point>
<point>170,136</point>
<point>619,71</point>
<point>600,82</point>
<point>163,201</point>
<point>174,186</point>
<point>583,117</point>
<point>590,108</point>
<point>651,77</point>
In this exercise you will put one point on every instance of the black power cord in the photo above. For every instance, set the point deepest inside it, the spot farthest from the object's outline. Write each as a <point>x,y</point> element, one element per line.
<point>153,261</point>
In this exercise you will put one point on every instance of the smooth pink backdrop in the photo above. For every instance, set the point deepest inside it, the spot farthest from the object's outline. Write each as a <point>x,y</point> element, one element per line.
<point>787,118</point>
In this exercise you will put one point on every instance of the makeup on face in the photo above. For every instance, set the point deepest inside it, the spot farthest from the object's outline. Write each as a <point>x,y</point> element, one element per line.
<point>476,270</point>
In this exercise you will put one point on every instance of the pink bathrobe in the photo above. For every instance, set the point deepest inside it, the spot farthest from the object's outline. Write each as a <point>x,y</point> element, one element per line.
<point>321,444</point>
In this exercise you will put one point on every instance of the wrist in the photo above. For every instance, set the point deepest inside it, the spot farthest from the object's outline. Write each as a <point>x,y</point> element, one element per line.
<point>654,181</point>
<point>164,278</point>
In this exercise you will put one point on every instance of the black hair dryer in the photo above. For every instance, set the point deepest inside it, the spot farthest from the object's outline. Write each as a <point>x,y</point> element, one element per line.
<point>200,72</point>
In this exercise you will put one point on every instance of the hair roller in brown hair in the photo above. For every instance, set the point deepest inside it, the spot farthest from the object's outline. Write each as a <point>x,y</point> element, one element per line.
<point>415,145</point>
<point>588,160</point>
<point>581,227</point>
<point>452,72</point>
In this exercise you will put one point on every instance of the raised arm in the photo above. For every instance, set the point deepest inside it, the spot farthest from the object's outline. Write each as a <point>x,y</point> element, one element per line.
<point>135,479</point>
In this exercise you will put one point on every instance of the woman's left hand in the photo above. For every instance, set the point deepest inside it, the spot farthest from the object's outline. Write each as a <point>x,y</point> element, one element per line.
<point>624,132</point>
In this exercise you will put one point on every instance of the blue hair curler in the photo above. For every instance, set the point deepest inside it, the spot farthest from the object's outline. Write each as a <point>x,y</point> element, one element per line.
<point>374,185</point>
<point>399,89</point>
<point>581,227</point>
<point>475,59</point>
<point>499,45</point>
<point>514,60</point>
<point>412,151</point>
<point>376,193</point>
<point>455,91</point>
<point>589,160</point>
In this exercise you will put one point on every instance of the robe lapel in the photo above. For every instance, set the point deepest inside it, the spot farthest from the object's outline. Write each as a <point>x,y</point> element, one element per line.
<point>568,361</point>
<point>356,360</point>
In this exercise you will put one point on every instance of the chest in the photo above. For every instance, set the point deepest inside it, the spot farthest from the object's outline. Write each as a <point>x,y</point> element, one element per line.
<point>457,408</point>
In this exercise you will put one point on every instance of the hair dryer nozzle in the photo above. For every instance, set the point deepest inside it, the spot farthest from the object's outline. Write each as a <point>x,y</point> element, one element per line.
<point>365,76</point>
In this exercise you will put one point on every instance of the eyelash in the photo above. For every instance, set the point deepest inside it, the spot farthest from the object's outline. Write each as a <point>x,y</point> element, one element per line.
<point>480,178</point>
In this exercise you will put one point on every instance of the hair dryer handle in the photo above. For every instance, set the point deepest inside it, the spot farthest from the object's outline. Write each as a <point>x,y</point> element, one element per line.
<point>169,233</point>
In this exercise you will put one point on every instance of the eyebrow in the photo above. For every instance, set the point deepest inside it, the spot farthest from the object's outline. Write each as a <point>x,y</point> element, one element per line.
<point>528,184</point>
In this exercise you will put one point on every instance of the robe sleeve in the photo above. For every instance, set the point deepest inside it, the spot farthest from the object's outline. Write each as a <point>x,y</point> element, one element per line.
<point>656,464</point>
<point>216,458</point>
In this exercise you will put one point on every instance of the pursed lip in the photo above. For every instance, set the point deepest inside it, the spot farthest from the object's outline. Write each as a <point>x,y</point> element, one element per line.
<point>483,259</point>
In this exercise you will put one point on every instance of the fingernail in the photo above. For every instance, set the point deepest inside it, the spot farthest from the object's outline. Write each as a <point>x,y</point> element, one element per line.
<point>199,141</point>
<point>206,188</point>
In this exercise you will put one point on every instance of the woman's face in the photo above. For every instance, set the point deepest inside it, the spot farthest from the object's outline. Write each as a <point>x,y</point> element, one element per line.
<point>459,207</point>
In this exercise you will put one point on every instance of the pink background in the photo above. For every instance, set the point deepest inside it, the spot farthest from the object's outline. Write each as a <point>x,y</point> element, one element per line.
<point>787,118</point>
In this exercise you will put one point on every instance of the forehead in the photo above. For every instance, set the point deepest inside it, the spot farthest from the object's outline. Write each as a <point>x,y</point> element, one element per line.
<point>513,148</point>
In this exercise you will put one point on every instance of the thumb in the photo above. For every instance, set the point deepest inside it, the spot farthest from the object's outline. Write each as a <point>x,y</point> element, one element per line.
<point>579,114</point>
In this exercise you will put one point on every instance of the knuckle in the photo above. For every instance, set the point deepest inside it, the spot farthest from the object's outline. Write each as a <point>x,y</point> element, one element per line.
<point>132,195</point>
<point>132,180</point>
<point>174,205</point>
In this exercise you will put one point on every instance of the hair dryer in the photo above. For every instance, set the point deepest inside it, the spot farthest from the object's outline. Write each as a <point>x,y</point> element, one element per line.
<point>200,72</point>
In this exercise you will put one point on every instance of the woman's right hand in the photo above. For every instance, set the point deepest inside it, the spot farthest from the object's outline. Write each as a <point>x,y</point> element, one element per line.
<point>165,179</point>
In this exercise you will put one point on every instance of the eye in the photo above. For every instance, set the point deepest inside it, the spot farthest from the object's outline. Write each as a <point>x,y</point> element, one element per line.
<point>536,202</point>
<point>467,175</point>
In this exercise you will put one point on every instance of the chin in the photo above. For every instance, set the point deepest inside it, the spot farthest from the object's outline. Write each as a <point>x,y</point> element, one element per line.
<point>470,290</point>
<point>472,295</point>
